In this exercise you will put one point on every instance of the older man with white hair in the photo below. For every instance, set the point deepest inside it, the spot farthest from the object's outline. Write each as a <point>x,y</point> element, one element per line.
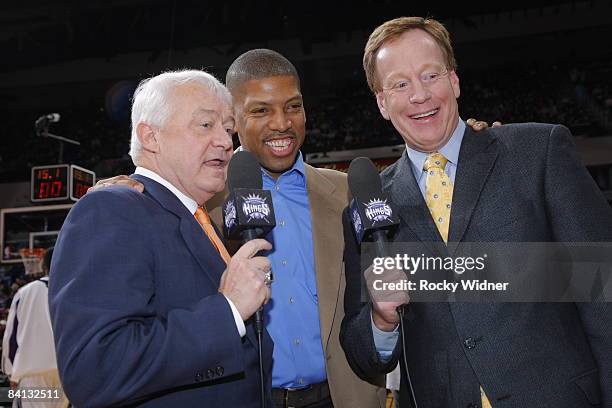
<point>147,307</point>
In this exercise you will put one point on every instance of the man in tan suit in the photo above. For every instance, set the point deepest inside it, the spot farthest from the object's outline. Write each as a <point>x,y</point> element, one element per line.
<point>303,318</point>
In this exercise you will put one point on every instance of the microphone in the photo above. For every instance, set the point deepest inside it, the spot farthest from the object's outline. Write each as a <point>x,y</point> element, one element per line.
<point>371,212</point>
<point>248,212</point>
<point>374,219</point>
<point>49,118</point>
<point>41,126</point>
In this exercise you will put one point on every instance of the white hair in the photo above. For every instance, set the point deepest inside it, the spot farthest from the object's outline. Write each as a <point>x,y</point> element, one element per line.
<point>150,103</point>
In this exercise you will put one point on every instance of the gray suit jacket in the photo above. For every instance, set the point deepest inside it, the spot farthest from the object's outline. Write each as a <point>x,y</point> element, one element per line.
<point>516,183</point>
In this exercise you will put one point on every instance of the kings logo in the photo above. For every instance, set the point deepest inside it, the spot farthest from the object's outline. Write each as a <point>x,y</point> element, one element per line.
<point>255,207</point>
<point>357,222</point>
<point>229,213</point>
<point>378,210</point>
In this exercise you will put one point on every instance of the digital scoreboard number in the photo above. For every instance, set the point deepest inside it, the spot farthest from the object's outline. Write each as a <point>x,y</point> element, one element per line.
<point>50,183</point>
<point>60,182</point>
<point>80,181</point>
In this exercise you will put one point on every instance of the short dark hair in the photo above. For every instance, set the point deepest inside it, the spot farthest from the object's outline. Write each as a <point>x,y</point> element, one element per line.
<point>258,64</point>
<point>47,260</point>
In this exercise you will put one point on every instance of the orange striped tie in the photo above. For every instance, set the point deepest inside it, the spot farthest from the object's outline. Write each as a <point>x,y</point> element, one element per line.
<point>203,219</point>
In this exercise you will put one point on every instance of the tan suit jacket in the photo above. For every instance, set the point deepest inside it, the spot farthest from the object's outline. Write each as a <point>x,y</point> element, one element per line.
<point>328,195</point>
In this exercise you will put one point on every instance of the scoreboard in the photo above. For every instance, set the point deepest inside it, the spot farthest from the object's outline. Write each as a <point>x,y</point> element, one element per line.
<point>60,182</point>
<point>80,181</point>
<point>50,183</point>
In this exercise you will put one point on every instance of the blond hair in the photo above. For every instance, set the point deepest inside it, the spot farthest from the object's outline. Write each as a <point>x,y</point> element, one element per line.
<point>393,29</point>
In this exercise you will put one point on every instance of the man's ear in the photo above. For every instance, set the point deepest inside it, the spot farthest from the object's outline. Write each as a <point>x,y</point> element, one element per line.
<point>454,80</point>
<point>147,136</point>
<point>380,101</point>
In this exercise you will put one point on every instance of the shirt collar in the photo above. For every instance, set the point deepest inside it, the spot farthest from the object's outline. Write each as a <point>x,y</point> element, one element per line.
<point>298,165</point>
<point>297,168</point>
<point>450,150</point>
<point>187,201</point>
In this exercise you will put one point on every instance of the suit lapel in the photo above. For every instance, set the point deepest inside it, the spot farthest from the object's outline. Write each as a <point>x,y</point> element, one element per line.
<point>195,238</point>
<point>406,195</point>
<point>476,158</point>
<point>325,210</point>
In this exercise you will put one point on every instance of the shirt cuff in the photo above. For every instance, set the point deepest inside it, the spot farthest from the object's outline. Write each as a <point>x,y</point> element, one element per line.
<point>384,341</point>
<point>239,323</point>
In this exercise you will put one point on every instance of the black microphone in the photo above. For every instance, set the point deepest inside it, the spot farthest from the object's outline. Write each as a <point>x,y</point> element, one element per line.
<point>248,212</point>
<point>373,219</point>
<point>371,211</point>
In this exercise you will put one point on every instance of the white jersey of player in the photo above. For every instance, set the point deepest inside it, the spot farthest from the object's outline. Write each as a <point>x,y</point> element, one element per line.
<point>27,346</point>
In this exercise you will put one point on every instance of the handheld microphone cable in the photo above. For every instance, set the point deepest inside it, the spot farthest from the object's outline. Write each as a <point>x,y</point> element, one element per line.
<point>258,323</point>
<point>400,312</point>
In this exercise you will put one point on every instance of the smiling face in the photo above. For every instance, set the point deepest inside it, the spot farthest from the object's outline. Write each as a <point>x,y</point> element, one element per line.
<point>425,114</point>
<point>270,120</point>
<point>193,147</point>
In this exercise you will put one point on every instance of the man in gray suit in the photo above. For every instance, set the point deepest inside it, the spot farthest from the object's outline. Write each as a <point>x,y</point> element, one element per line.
<point>516,183</point>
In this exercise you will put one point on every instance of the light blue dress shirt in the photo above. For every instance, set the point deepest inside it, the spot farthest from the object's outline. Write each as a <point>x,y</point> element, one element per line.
<point>385,341</point>
<point>292,315</point>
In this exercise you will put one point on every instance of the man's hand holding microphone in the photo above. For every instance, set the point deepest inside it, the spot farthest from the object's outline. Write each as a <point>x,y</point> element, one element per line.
<point>373,220</point>
<point>385,303</point>
<point>244,281</point>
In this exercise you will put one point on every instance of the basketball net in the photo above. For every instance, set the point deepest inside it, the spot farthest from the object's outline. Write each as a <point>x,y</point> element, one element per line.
<point>32,260</point>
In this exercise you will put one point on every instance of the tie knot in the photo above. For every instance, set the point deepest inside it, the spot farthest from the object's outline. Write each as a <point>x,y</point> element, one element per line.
<point>202,216</point>
<point>435,161</point>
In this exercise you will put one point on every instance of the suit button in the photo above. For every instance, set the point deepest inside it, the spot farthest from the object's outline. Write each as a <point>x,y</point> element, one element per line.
<point>210,373</point>
<point>471,405</point>
<point>469,343</point>
<point>219,371</point>
<point>198,377</point>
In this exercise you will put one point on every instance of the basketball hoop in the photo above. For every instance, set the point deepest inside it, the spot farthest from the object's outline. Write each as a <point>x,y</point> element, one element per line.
<point>32,260</point>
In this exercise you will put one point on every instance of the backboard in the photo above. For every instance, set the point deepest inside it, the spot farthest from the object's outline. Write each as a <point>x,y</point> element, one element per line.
<point>29,227</point>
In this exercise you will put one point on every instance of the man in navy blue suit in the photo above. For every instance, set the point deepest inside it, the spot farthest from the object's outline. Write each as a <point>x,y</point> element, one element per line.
<point>147,307</point>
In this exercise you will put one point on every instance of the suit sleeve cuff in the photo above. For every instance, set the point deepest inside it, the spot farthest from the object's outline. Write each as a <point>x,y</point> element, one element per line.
<point>384,342</point>
<point>237,318</point>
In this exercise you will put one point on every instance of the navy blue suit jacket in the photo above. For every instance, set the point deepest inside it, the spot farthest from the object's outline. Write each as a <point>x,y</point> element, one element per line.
<point>515,183</point>
<point>136,312</point>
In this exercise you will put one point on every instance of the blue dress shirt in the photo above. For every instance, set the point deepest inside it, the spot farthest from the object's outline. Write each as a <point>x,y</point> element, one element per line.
<point>385,341</point>
<point>292,315</point>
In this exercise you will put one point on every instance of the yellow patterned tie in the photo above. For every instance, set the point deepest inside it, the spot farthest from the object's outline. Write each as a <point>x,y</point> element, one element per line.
<point>439,198</point>
<point>484,400</point>
<point>438,192</point>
